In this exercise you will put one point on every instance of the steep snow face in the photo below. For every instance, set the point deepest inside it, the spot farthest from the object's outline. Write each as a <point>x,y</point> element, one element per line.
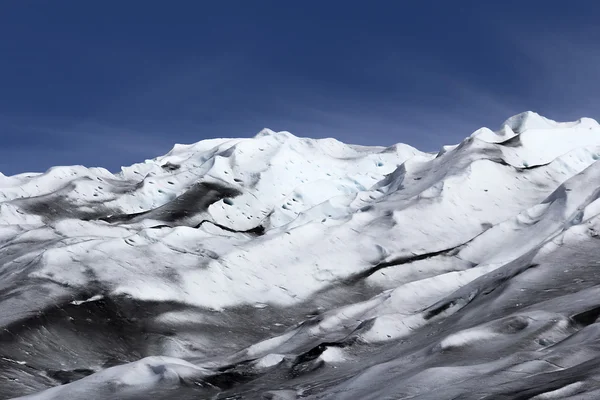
<point>282,267</point>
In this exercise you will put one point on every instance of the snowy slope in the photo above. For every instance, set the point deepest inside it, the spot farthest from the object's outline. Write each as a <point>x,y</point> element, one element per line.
<point>283,267</point>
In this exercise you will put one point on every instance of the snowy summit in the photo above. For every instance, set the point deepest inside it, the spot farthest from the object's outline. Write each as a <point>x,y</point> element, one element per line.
<point>280,267</point>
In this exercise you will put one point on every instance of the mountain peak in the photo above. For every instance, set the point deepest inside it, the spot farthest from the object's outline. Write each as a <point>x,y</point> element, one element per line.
<point>269,132</point>
<point>528,120</point>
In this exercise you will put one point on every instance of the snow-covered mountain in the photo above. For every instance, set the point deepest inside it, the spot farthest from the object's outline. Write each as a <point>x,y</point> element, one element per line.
<point>280,267</point>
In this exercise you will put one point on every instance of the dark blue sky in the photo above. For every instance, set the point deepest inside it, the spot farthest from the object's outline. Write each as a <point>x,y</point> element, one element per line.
<point>109,83</point>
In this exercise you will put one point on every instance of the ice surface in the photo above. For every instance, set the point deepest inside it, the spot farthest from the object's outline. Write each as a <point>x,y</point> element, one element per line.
<point>280,267</point>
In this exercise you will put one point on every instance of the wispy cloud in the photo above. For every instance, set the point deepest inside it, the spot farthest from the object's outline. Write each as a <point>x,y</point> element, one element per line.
<point>397,85</point>
<point>386,120</point>
<point>564,80</point>
<point>45,143</point>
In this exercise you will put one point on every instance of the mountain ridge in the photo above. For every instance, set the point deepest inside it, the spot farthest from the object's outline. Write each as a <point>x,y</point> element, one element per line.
<point>279,266</point>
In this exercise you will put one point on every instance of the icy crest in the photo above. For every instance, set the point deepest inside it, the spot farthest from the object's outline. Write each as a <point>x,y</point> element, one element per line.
<point>271,266</point>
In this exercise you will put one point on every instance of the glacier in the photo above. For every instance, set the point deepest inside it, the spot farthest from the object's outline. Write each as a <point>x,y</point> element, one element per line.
<point>280,267</point>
